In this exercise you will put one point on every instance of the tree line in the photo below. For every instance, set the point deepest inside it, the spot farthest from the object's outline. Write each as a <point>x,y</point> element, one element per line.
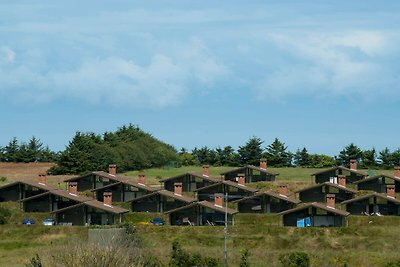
<point>133,149</point>
<point>278,155</point>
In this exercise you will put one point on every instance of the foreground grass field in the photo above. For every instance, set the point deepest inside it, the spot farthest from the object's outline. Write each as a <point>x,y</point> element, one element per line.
<point>368,241</point>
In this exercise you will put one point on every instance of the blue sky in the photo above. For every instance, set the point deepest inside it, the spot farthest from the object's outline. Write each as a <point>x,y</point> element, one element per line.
<point>319,74</point>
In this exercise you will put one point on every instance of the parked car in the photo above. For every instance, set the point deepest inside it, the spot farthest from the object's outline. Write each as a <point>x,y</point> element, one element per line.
<point>157,221</point>
<point>49,221</point>
<point>28,221</point>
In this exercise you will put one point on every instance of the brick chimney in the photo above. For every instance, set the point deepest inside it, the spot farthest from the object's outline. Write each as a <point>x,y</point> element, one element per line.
<point>112,169</point>
<point>107,198</point>
<point>397,171</point>
<point>73,188</point>
<point>142,179</point>
<point>263,163</point>
<point>283,190</point>
<point>219,200</point>
<point>178,189</point>
<point>342,180</point>
<point>42,178</point>
<point>206,169</point>
<point>241,179</point>
<point>330,200</point>
<point>353,164</point>
<point>390,190</point>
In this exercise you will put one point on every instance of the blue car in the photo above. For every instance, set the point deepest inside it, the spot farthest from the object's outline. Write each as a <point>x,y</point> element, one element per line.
<point>28,221</point>
<point>157,221</point>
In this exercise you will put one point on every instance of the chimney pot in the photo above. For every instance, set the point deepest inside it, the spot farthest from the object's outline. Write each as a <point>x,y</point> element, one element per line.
<point>107,198</point>
<point>263,163</point>
<point>219,200</point>
<point>112,169</point>
<point>390,191</point>
<point>241,179</point>
<point>330,200</point>
<point>206,169</point>
<point>353,164</point>
<point>73,188</point>
<point>178,189</point>
<point>397,171</point>
<point>342,180</point>
<point>283,190</point>
<point>42,178</point>
<point>142,179</point>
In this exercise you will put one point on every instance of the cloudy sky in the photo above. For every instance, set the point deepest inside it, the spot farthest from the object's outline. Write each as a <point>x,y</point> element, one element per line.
<point>319,74</point>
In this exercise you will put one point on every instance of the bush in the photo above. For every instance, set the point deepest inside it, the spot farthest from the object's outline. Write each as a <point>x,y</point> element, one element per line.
<point>393,264</point>
<point>5,215</point>
<point>244,261</point>
<point>295,259</point>
<point>35,262</point>
<point>3,179</point>
<point>180,258</point>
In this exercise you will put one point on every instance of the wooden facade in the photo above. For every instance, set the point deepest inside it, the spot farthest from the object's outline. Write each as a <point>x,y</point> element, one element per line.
<point>378,183</point>
<point>314,215</point>
<point>190,182</point>
<point>318,192</point>
<point>373,204</point>
<point>200,214</point>
<point>266,202</point>
<point>330,175</point>
<point>234,191</point>
<point>159,201</point>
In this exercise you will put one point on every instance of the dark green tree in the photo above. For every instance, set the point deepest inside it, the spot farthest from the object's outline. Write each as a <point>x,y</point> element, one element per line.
<point>277,154</point>
<point>204,155</point>
<point>386,158</point>
<point>226,156</point>
<point>11,150</point>
<point>368,158</point>
<point>302,158</point>
<point>349,152</point>
<point>251,152</point>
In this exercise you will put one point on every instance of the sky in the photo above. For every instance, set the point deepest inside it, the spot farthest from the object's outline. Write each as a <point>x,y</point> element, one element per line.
<point>315,74</point>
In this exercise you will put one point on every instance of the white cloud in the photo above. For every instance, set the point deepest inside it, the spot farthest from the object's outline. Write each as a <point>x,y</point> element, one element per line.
<point>346,63</point>
<point>7,55</point>
<point>163,82</point>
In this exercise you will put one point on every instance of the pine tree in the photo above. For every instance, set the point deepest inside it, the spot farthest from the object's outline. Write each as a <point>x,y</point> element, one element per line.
<point>302,158</point>
<point>251,152</point>
<point>349,152</point>
<point>277,154</point>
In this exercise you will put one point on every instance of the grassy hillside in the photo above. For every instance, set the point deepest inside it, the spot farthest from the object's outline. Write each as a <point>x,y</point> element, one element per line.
<point>368,241</point>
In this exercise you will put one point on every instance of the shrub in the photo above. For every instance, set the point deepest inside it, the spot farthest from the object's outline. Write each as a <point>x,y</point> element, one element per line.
<point>3,179</point>
<point>5,215</point>
<point>180,258</point>
<point>393,264</point>
<point>295,259</point>
<point>35,262</point>
<point>244,261</point>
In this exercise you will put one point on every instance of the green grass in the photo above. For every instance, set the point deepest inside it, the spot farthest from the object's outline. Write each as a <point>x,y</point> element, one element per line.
<point>368,241</point>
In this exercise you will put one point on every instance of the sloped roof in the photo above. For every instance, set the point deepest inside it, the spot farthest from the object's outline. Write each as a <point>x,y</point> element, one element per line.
<point>60,193</point>
<point>81,201</point>
<point>340,168</point>
<point>340,187</point>
<point>126,182</point>
<point>229,183</point>
<point>318,206</point>
<point>376,177</point>
<point>272,194</point>
<point>95,204</point>
<point>31,183</point>
<point>165,193</point>
<point>383,196</point>
<point>98,173</point>
<point>206,204</point>
<point>252,167</point>
<point>207,178</point>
